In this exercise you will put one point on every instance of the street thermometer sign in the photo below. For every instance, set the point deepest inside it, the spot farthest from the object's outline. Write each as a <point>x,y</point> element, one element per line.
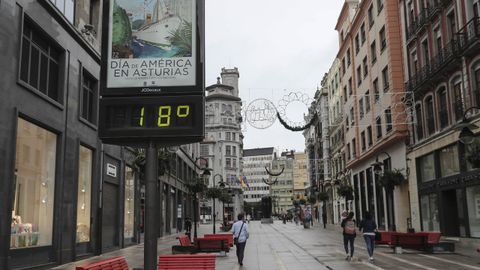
<point>152,86</point>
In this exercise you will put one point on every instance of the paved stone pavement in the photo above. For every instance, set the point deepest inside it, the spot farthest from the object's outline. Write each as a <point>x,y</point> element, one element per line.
<point>287,246</point>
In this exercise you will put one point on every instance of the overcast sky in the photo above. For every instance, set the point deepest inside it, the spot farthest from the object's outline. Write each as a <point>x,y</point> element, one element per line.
<point>279,46</point>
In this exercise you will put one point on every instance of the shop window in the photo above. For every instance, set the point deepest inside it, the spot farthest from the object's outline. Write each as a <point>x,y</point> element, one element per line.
<point>449,162</point>
<point>32,213</point>
<point>84,194</point>
<point>473,205</point>
<point>426,165</point>
<point>129,215</point>
<point>40,61</point>
<point>430,217</point>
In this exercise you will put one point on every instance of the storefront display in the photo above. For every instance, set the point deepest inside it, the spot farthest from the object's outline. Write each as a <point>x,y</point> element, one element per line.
<point>473,204</point>
<point>84,195</point>
<point>129,214</point>
<point>32,213</point>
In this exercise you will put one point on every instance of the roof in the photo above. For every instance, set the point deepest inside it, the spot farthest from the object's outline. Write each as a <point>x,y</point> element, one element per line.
<point>221,96</point>
<point>258,152</point>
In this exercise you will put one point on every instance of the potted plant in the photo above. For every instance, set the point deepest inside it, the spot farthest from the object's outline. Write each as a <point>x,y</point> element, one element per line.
<point>472,154</point>
<point>323,196</point>
<point>344,190</point>
<point>391,178</point>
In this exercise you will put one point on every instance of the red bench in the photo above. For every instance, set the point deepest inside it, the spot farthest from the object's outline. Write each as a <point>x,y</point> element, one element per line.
<point>421,240</point>
<point>187,262</point>
<point>185,246</point>
<point>385,238</point>
<point>211,245</point>
<point>115,263</point>
<point>223,236</point>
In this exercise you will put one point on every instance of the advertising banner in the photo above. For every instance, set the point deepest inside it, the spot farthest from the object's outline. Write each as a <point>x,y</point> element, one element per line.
<point>151,43</point>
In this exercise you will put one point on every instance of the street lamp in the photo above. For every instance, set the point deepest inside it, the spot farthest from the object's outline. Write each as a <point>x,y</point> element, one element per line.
<point>466,135</point>
<point>204,179</point>
<point>213,214</point>
<point>377,166</point>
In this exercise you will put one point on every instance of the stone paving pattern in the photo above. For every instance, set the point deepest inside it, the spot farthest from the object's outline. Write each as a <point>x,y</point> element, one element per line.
<point>287,246</point>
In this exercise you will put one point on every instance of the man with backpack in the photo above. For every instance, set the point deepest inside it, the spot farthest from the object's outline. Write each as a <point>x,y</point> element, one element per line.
<point>349,234</point>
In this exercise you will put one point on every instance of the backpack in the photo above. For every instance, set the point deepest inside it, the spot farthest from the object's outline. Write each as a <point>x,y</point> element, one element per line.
<point>349,227</point>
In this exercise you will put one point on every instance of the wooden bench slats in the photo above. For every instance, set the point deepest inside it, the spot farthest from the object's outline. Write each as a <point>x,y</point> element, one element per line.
<point>115,263</point>
<point>187,262</point>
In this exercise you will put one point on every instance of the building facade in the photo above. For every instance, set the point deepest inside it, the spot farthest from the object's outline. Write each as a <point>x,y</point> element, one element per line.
<point>64,194</point>
<point>254,163</point>
<point>442,57</point>
<point>223,144</point>
<point>374,117</point>
<point>282,190</point>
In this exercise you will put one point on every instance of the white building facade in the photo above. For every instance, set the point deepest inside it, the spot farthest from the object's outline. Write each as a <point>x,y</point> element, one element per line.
<point>254,163</point>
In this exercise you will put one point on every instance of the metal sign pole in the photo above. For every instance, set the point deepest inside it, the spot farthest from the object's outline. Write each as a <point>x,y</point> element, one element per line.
<point>151,175</point>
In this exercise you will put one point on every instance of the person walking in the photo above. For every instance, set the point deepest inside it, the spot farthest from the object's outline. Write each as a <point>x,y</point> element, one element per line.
<point>240,236</point>
<point>368,227</point>
<point>324,219</point>
<point>349,234</point>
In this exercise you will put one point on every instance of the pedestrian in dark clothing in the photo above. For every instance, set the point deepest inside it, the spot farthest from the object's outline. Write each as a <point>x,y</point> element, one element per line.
<point>349,234</point>
<point>368,227</point>
<point>324,219</point>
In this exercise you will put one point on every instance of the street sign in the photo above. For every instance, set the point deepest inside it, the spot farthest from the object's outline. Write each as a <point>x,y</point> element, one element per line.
<point>152,86</point>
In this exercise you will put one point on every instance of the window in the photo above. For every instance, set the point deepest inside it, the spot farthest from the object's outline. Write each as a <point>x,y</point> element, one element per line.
<point>425,53</point>
<point>129,211</point>
<point>228,162</point>
<point>438,39</point>
<point>449,162</point>
<point>457,102</point>
<point>451,25</point>
<point>40,62</point>
<point>379,5</point>
<point>357,44</point>
<point>34,190</point>
<point>429,115</point>
<point>228,136</point>
<point>369,136</point>
<point>473,205</point>
<point>204,151</point>
<point>359,75</point>
<point>352,117</point>
<point>386,82</point>
<point>367,101</point>
<point>426,167</point>
<point>84,194</point>
<point>348,151</point>
<point>388,119</point>
<point>443,107</point>
<point>371,19</point>
<point>350,87</point>
<point>228,150</point>
<point>413,62</point>
<point>476,87</point>
<point>66,7</point>
<point>373,52</point>
<point>362,33</point>
<point>378,122</point>
<point>360,107</point>
<point>234,150</point>
<point>365,67</point>
<point>343,66</point>
<point>89,97</point>
<point>354,148</point>
<point>234,136</point>
<point>348,58</point>
<point>419,126</point>
<point>383,39</point>
<point>376,92</point>
<point>430,214</point>
<point>363,140</point>
<point>345,94</point>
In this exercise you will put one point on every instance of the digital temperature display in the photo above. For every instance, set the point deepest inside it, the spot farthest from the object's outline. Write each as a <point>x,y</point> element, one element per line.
<point>160,117</point>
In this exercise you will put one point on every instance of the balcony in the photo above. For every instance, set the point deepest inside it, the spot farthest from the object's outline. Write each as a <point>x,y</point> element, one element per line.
<point>445,61</point>
<point>417,25</point>
<point>469,37</point>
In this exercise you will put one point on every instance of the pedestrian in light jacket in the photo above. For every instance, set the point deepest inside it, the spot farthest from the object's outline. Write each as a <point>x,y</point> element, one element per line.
<point>240,231</point>
<point>368,227</point>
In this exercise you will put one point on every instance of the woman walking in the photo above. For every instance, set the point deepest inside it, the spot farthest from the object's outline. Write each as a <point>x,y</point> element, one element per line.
<point>368,227</point>
<point>349,234</point>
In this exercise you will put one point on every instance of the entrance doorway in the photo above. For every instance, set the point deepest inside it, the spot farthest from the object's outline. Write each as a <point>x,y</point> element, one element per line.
<point>450,208</point>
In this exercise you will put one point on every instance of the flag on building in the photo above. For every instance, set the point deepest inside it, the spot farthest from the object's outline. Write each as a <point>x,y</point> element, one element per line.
<point>243,181</point>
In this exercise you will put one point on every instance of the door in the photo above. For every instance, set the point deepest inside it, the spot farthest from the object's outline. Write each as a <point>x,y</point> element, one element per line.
<point>451,222</point>
<point>110,216</point>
